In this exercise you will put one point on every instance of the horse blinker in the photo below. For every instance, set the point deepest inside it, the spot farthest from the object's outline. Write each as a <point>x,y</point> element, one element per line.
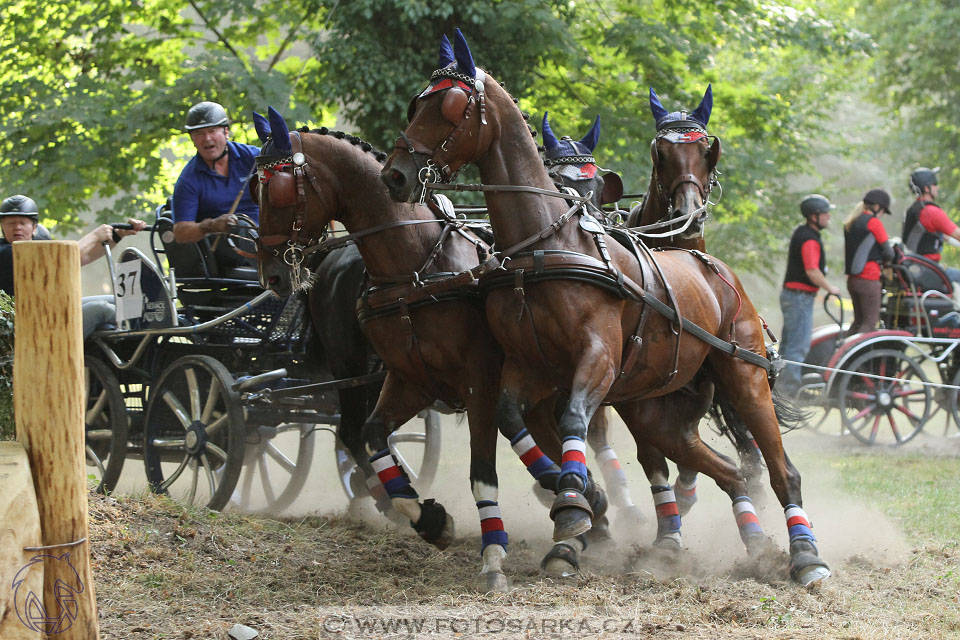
<point>454,105</point>
<point>281,189</point>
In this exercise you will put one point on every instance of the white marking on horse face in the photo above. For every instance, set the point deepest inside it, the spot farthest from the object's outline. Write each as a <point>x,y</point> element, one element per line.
<point>484,491</point>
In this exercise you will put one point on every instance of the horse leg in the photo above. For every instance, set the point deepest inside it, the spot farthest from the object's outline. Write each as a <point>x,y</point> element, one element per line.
<point>563,559</point>
<point>614,479</point>
<point>571,511</point>
<point>682,444</point>
<point>398,403</point>
<point>485,487</point>
<point>354,410</point>
<point>747,388</point>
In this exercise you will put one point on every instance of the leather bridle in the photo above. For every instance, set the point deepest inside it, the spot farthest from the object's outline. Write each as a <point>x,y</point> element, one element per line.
<point>667,195</point>
<point>440,166</point>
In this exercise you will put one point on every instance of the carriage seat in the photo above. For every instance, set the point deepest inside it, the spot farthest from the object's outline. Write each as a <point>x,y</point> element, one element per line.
<point>202,278</point>
<point>921,291</point>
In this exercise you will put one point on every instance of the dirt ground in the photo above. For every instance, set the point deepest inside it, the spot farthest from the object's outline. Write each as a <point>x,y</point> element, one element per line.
<point>162,571</point>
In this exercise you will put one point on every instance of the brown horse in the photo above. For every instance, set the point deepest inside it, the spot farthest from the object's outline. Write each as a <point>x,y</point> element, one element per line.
<point>435,344</point>
<point>573,311</point>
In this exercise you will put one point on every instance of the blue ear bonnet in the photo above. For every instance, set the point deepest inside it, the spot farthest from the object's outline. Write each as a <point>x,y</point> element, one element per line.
<point>669,120</point>
<point>566,147</point>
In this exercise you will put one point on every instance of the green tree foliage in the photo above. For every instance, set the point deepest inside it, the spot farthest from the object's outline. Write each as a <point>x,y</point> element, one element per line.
<point>93,94</point>
<point>7,430</point>
<point>917,78</point>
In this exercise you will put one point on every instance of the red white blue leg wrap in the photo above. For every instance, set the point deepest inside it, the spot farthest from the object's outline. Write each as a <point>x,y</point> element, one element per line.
<point>574,458</point>
<point>491,525</point>
<point>747,521</point>
<point>532,457</point>
<point>798,524</point>
<point>668,515</point>
<point>392,476</point>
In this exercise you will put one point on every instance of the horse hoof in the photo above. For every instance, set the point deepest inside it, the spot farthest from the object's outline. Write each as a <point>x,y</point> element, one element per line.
<point>808,569</point>
<point>561,561</point>
<point>667,547</point>
<point>495,582</point>
<point>571,515</point>
<point>435,524</point>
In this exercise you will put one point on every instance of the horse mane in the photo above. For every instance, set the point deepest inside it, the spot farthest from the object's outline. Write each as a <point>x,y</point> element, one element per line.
<point>354,140</point>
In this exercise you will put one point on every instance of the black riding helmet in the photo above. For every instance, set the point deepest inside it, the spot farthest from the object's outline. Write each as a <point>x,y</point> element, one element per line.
<point>20,206</point>
<point>815,203</point>
<point>880,197</point>
<point>923,177</point>
<point>206,114</point>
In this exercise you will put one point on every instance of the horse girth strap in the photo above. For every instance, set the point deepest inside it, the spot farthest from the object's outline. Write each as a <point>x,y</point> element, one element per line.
<point>591,266</point>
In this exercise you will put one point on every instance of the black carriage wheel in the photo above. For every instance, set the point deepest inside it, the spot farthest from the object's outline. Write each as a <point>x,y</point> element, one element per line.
<point>276,465</point>
<point>884,411</point>
<point>418,451</point>
<point>194,433</point>
<point>105,423</point>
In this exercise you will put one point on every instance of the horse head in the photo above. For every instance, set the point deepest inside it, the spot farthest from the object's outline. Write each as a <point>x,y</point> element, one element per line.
<point>684,168</point>
<point>570,163</point>
<point>451,123</point>
<point>283,168</point>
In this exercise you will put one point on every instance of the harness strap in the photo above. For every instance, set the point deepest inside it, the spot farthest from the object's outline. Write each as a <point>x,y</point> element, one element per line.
<point>590,266</point>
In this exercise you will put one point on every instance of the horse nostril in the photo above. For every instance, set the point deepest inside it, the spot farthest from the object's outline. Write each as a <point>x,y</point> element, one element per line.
<point>273,279</point>
<point>394,178</point>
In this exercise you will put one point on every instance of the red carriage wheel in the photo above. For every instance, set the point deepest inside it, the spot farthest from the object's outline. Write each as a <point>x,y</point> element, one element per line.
<point>885,399</point>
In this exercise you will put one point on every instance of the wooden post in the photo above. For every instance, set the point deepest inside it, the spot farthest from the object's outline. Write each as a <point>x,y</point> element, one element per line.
<point>48,400</point>
<point>19,528</point>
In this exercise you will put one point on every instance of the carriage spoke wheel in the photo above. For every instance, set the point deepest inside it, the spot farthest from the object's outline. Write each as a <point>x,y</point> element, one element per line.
<point>416,446</point>
<point>194,433</point>
<point>105,423</point>
<point>276,464</point>
<point>888,409</point>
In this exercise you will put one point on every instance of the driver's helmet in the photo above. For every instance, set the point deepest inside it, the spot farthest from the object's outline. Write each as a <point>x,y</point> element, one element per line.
<point>206,114</point>
<point>20,206</point>
<point>923,177</point>
<point>815,203</point>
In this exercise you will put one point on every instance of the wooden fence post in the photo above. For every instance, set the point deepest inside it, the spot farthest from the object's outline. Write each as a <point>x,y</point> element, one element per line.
<point>19,528</point>
<point>48,399</point>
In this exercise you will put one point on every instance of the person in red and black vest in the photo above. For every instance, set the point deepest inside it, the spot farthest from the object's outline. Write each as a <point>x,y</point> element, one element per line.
<point>866,248</point>
<point>806,274</point>
<point>925,223</point>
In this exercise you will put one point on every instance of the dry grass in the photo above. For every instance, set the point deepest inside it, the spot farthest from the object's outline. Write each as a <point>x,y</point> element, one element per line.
<point>163,571</point>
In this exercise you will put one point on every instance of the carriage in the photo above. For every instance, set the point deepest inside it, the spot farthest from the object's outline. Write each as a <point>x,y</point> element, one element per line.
<point>214,383</point>
<point>889,384</point>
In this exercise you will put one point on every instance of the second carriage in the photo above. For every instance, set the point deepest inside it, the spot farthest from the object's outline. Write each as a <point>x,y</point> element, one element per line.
<point>890,384</point>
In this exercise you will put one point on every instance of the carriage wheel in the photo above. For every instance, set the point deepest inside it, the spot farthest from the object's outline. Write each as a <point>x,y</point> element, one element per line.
<point>194,433</point>
<point>884,411</point>
<point>105,423</point>
<point>276,465</point>
<point>417,451</point>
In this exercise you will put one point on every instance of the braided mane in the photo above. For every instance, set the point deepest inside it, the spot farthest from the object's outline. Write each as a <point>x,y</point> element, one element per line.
<point>354,140</point>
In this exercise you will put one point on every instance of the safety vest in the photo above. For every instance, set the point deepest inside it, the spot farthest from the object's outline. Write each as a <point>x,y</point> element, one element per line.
<point>795,270</point>
<point>916,236</point>
<point>860,246</point>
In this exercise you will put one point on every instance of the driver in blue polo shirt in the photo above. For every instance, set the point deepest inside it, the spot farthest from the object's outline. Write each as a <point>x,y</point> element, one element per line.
<point>211,181</point>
